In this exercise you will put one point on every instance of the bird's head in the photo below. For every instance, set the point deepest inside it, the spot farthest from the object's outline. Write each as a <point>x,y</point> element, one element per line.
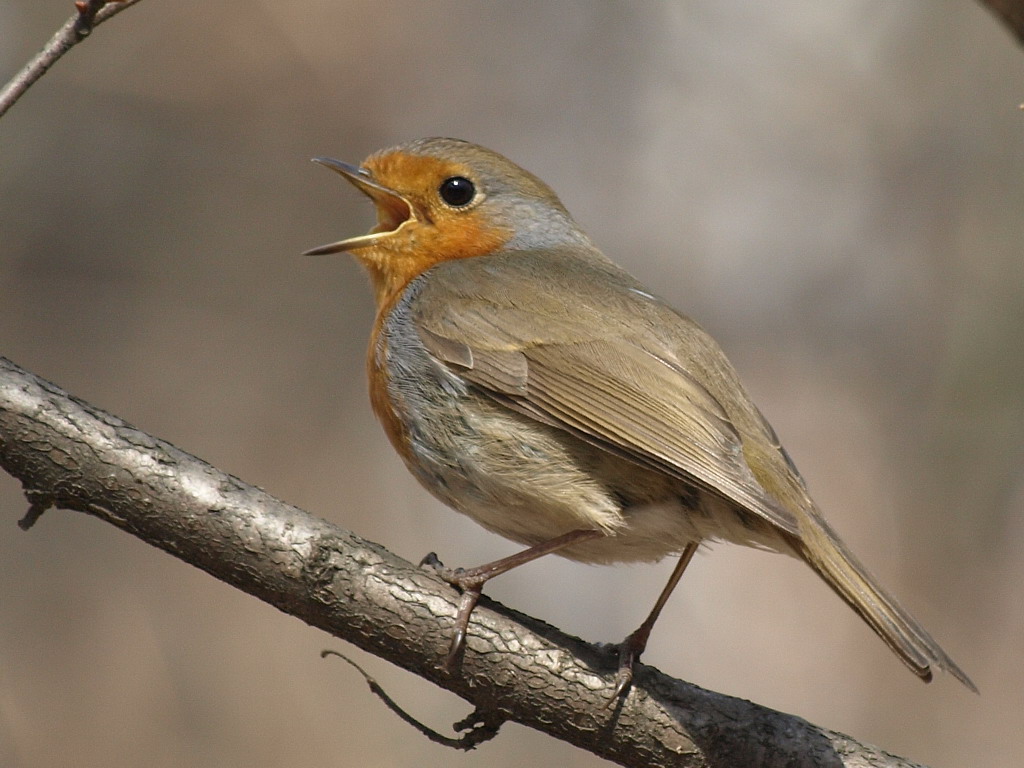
<point>444,199</point>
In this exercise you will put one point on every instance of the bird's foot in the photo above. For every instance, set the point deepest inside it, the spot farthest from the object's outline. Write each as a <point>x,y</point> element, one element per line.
<point>471,585</point>
<point>459,578</point>
<point>630,651</point>
<point>432,562</point>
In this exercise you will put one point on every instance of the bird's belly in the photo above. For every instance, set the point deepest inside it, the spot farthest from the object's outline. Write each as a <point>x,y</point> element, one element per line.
<point>514,477</point>
<point>530,481</point>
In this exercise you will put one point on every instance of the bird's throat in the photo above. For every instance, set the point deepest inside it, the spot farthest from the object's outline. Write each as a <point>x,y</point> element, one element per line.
<point>395,261</point>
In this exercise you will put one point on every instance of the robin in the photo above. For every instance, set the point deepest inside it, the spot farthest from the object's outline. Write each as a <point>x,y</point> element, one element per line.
<point>532,384</point>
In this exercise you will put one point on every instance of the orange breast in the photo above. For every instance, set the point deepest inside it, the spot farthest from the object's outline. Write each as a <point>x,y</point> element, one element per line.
<point>376,368</point>
<point>392,267</point>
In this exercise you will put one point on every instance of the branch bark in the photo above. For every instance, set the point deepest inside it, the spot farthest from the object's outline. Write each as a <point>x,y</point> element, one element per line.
<point>69,454</point>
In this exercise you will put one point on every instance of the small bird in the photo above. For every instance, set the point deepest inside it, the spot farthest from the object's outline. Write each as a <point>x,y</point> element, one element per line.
<point>532,384</point>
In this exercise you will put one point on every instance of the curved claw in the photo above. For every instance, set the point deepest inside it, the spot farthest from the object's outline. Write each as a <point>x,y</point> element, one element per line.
<point>432,561</point>
<point>455,649</point>
<point>629,654</point>
<point>623,682</point>
<point>470,597</point>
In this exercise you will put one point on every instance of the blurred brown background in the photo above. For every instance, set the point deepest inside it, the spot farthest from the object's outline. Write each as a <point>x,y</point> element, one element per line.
<point>834,189</point>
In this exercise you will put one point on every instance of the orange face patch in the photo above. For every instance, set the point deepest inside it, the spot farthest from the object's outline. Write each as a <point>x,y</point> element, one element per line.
<point>435,232</point>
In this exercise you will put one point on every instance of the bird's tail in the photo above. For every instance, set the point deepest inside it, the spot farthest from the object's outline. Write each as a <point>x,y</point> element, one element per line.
<point>823,550</point>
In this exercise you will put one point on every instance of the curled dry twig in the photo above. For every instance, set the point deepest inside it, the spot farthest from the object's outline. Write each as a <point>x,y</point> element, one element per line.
<point>479,726</point>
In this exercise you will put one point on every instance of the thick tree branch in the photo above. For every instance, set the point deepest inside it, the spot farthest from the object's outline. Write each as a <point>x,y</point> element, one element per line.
<point>89,14</point>
<point>68,454</point>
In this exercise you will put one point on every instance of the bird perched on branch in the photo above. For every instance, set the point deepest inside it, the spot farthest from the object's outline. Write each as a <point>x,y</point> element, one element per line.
<point>535,386</point>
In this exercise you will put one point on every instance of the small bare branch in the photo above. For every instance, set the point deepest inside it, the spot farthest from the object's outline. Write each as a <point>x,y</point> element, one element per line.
<point>88,14</point>
<point>478,726</point>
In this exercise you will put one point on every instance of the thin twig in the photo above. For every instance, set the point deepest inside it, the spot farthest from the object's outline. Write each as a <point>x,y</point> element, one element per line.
<point>89,14</point>
<point>479,726</point>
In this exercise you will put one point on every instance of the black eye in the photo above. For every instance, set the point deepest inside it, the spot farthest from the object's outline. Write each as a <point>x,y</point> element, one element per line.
<point>457,191</point>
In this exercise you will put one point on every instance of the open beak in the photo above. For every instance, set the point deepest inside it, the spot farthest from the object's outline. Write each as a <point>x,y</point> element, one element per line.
<point>392,209</point>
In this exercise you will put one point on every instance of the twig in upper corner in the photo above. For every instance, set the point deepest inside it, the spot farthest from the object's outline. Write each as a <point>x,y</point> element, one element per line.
<point>88,14</point>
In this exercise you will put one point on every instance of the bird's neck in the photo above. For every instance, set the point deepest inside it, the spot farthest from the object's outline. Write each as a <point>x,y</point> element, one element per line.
<point>393,265</point>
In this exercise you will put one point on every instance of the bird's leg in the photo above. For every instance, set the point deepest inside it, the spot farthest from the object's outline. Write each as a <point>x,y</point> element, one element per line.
<point>634,645</point>
<point>471,581</point>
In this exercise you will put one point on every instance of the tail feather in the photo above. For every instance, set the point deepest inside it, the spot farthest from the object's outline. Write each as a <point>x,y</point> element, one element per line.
<point>819,545</point>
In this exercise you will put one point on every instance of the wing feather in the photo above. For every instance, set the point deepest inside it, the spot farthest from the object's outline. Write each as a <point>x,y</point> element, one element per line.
<point>629,393</point>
